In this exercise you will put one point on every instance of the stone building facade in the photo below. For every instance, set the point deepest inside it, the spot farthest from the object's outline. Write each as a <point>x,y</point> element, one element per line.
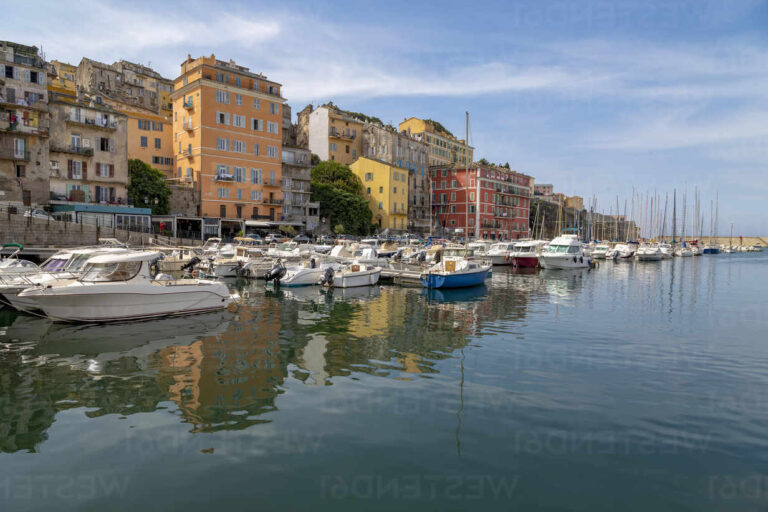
<point>298,210</point>
<point>24,125</point>
<point>88,152</point>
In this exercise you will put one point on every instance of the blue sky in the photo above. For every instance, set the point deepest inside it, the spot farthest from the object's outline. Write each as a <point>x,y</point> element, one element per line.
<point>594,97</point>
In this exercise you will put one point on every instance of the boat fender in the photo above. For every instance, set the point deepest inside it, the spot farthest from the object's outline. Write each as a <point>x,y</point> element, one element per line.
<point>574,259</point>
<point>312,263</point>
<point>506,258</point>
<point>581,259</point>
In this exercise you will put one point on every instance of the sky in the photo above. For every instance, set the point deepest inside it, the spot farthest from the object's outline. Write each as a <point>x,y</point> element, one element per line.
<point>599,98</point>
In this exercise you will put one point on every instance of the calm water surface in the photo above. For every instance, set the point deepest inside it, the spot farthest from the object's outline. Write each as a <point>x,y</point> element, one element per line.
<point>632,387</point>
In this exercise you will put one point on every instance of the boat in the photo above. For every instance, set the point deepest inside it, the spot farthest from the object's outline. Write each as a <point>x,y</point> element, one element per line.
<point>351,276</point>
<point>120,287</point>
<point>455,272</point>
<point>526,253</point>
<point>666,251</point>
<point>306,273</point>
<point>564,252</point>
<point>11,264</point>
<point>683,252</point>
<point>599,251</point>
<point>62,265</point>
<point>649,252</point>
<point>501,253</point>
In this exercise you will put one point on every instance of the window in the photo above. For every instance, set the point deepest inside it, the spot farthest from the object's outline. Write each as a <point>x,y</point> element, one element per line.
<point>369,176</point>
<point>272,152</point>
<point>222,144</point>
<point>222,97</point>
<point>381,205</point>
<point>257,103</point>
<point>368,191</point>
<point>256,195</point>
<point>21,171</point>
<point>346,148</point>
<point>157,126</point>
<point>144,141</point>
<point>332,146</point>
<point>221,77</point>
<point>223,193</point>
<point>222,210</point>
<point>103,170</point>
<point>106,144</point>
<point>19,148</point>
<point>256,149</point>
<point>238,121</point>
<point>222,118</point>
<point>157,143</point>
<point>453,196</point>
<point>471,196</point>
<point>239,174</point>
<point>238,97</point>
<point>394,190</point>
<point>255,176</point>
<point>381,190</point>
<point>257,124</point>
<point>271,127</point>
<point>144,124</point>
<point>77,169</point>
<point>274,108</point>
<point>239,195</point>
<point>271,177</point>
<point>238,146</point>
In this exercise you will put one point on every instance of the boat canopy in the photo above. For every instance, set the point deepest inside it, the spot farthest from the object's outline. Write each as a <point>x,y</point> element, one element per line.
<point>125,257</point>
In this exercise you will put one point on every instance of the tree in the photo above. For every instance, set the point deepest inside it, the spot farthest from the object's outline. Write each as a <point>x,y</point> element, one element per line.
<point>350,211</point>
<point>483,161</point>
<point>506,165</point>
<point>147,187</point>
<point>288,230</point>
<point>338,229</point>
<point>314,159</point>
<point>439,127</point>
<point>337,175</point>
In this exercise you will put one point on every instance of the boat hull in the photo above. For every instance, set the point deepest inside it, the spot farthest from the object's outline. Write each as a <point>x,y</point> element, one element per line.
<point>558,262</point>
<point>306,277</point>
<point>118,305</point>
<point>711,250</point>
<point>457,280</point>
<point>499,259</point>
<point>526,261</point>
<point>356,279</point>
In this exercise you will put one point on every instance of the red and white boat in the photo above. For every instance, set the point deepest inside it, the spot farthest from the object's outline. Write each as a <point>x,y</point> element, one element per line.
<point>526,253</point>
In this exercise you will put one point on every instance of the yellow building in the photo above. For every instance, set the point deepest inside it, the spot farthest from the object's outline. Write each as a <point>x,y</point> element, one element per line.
<point>444,148</point>
<point>64,81</point>
<point>386,188</point>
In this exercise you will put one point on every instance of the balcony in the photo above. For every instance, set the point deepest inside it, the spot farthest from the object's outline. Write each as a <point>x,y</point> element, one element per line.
<point>188,126</point>
<point>189,104</point>
<point>272,184</point>
<point>224,177</point>
<point>272,201</point>
<point>75,150</point>
<point>10,154</point>
<point>93,122</point>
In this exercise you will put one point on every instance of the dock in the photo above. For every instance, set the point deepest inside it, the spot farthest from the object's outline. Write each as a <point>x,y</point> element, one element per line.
<point>401,277</point>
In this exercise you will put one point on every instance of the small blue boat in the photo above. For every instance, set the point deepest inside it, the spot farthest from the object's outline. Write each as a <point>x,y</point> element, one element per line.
<point>455,273</point>
<point>711,249</point>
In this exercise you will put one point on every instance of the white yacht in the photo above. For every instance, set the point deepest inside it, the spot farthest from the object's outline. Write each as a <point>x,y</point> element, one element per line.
<point>119,287</point>
<point>306,273</point>
<point>649,252</point>
<point>564,252</point>
<point>666,251</point>
<point>501,253</point>
<point>599,251</point>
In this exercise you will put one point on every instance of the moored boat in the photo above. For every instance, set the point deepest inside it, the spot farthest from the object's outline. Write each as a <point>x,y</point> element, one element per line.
<point>455,272</point>
<point>564,252</point>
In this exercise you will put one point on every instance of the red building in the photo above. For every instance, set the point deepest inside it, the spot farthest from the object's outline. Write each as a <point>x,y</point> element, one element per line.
<point>498,205</point>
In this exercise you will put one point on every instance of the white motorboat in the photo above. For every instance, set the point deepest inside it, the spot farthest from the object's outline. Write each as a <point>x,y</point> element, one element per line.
<point>564,252</point>
<point>599,251</point>
<point>306,273</point>
<point>666,251</point>
<point>683,252</point>
<point>62,265</point>
<point>11,264</point>
<point>350,276</point>
<point>119,287</point>
<point>648,252</point>
<point>500,253</point>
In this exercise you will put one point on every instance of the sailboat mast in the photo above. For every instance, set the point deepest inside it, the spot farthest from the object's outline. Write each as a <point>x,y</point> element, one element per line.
<point>466,186</point>
<point>674,215</point>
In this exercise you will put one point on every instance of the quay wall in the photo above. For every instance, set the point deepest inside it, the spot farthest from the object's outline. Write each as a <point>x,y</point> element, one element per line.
<point>35,232</point>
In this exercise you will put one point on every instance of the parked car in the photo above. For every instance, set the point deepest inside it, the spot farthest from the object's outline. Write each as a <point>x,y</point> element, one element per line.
<point>302,239</point>
<point>327,239</point>
<point>37,213</point>
<point>273,238</point>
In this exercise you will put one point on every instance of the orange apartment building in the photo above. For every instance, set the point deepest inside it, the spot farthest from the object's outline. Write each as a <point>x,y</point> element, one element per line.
<point>227,139</point>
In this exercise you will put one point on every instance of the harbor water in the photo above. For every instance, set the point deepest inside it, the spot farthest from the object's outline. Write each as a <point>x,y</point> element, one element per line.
<point>635,386</point>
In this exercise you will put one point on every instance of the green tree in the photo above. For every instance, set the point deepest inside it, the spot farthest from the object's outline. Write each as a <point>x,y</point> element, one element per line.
<point>338,229</point>
<point>483,161</point>
<point>340,207</point>
<point>337,175</point>
<point>147,187</point>
<point>288,230</point>
<point>439,127</point>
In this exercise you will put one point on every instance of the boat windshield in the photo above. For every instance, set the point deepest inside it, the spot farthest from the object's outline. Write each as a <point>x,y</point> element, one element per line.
<point>570,249</point>
<point>120,271</point>
<point>55,264</point>
<point>77,263</point>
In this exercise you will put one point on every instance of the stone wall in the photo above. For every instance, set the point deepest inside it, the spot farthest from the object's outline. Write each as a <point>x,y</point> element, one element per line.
<point>34,232</point>
<point>184,201</point>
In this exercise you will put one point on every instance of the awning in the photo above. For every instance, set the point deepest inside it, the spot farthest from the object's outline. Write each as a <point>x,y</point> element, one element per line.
<point>258,223</point>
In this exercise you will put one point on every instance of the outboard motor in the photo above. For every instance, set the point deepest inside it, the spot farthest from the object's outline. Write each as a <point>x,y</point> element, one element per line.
<point>422,257</point>
<point>398,254</point>
<point>312,263</point>
<point>327,277</point>
<point>438,257</point>
<point>276,274</point>
<point>187,267</point>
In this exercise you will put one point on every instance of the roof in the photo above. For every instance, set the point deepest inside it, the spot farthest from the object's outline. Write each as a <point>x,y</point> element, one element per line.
<point>128,257</point>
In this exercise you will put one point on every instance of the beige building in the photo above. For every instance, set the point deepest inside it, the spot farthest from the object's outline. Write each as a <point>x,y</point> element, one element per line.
<point>330,133</point>
<point>576,202</point>
<point>144,96</point>
<point>444,147</point>
<point>24,125</point>
<point>88,152</point>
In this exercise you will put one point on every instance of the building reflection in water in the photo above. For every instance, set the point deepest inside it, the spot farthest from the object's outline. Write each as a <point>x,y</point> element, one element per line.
<point>225,371</point>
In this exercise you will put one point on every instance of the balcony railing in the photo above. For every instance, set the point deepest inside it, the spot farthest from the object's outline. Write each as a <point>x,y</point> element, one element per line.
<point>272,201</point>
<point>75,150</point>
<point>93,122</point>
<point>224,177</point>
<point>11,154</point>
<point>189,104</point>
